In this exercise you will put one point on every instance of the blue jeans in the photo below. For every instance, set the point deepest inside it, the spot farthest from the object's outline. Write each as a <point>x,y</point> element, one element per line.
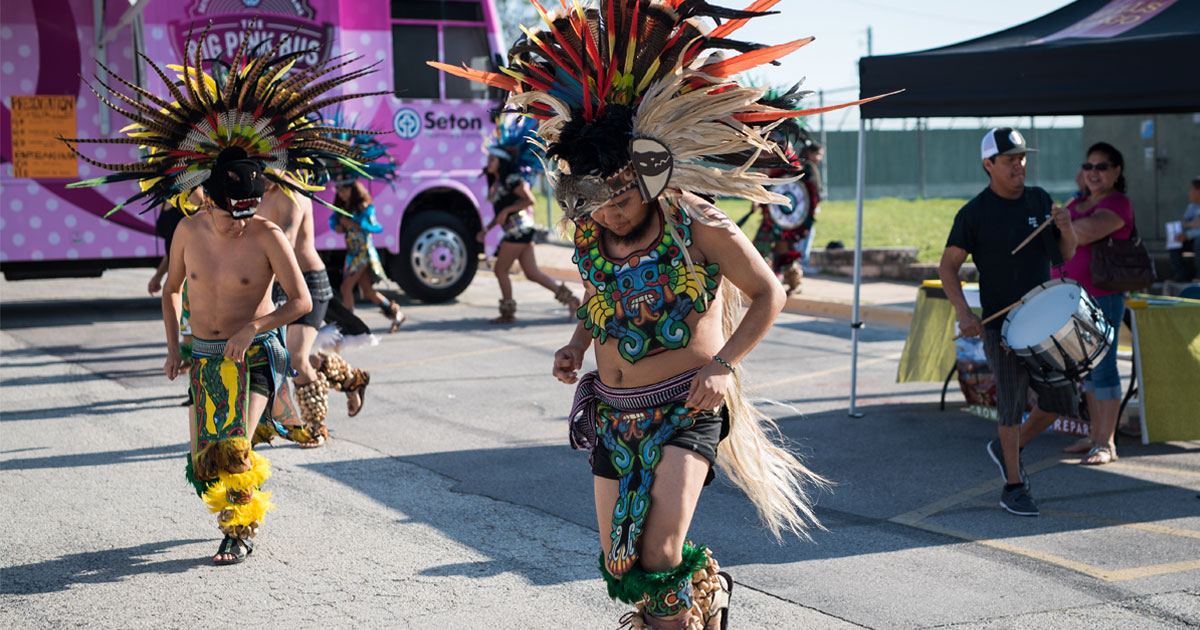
<point>1104,379</point>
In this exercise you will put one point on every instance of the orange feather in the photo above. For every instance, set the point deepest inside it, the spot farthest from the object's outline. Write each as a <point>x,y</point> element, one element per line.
<point>733,25</point>
<point>493,79</point>
<point>753,59</point>
<point>753,117</point>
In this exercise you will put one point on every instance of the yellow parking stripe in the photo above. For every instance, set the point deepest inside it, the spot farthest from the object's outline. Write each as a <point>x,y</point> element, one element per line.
<point>915,518</point>
<point>1119,464</point>
<point>1108,575</point>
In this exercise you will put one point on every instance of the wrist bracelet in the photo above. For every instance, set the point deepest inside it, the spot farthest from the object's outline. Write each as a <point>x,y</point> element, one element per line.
<point>724,363</point>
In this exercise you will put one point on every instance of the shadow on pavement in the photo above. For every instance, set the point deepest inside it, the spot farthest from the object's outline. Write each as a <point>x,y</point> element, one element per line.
<point>895,459</point>
<point>98,408</point>
<point>93,567</point>
<point>482,324</point>
<point>100,459</point>
<point>54,313</point>
<point>106,352</point>
<point>841,330</point>
<point>54,379</point>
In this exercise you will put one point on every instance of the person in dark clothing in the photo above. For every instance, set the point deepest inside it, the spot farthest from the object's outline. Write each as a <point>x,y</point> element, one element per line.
<point>988,228</point>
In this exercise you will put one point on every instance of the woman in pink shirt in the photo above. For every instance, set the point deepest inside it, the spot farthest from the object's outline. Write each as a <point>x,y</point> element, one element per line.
<point>1105,212</point>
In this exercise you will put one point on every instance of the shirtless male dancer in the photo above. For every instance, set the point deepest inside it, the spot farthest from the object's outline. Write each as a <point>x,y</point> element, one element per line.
<point>230,258</point>
<point>315,373</point>
<point>228,134</point>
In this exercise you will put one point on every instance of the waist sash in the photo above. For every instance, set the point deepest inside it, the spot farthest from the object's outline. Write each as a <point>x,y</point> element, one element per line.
<point>590,390</point>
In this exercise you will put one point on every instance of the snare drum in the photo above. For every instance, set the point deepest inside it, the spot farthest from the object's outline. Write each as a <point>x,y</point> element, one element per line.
<point>1059,332</point>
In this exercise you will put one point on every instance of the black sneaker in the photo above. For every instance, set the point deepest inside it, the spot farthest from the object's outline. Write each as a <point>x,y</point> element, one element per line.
<point>997,454</point>
<point>1018,501</point>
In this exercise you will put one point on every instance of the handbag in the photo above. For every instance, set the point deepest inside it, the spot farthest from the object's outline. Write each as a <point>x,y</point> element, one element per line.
<point>1122,264</point>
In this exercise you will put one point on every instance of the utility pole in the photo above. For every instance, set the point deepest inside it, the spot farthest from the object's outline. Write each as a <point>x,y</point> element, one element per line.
<point>869,53</point>
<point>1033,156</point>
<point>920,159</point>
<point>824,166</point>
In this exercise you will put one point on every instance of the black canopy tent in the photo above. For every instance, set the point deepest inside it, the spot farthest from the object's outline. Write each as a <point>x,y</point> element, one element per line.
<point>1150,68</point>
<point>1089,57</point>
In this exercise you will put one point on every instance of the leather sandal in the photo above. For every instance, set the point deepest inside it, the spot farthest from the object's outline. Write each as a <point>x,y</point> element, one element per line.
<point>239,548</point>
<point>720,605</point>
<point>356,391</point>
<point>1103,453</point>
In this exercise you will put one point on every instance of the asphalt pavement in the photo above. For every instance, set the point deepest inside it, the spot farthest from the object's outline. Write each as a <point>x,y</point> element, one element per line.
<point>453,500</point>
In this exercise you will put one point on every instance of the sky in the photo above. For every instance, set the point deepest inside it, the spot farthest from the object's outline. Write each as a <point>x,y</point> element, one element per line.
<point>897,26</point>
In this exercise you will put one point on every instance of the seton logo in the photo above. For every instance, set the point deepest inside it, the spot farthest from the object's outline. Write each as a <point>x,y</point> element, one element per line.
<point>407,123</point>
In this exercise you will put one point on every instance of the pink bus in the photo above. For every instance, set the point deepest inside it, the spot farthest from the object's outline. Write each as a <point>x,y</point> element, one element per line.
<point>438,125</point>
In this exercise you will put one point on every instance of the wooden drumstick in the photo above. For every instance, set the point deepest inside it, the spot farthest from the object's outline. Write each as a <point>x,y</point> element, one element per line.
<point>996,314</point>
<point>1030,237</point>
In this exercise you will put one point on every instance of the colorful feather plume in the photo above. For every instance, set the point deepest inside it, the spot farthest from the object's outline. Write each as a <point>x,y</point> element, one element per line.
<point>650,69</point>
<point>256,102</point>
<point>373,161</point>
<point>516,141</point>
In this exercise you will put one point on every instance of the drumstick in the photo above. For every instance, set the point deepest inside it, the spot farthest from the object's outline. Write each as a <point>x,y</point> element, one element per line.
<point>996,314</point>
<point>1035,233</point>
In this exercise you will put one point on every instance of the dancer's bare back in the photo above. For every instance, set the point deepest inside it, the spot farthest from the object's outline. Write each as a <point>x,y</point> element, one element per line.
<point>294,215</point>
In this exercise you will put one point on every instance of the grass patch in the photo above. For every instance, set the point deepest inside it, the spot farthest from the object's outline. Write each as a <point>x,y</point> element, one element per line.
<point>887,222</point>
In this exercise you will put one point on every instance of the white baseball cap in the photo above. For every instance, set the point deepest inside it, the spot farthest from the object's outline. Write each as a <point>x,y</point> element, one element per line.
<point>1003,141</point>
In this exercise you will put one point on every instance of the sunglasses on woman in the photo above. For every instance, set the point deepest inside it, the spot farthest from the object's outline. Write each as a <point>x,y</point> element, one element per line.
<point>1103,166</point>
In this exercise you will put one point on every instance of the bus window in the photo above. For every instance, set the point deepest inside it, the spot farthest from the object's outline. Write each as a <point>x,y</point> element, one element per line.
<point>451,10</point>
<point>411,46</point>
<point>469,45</point>
<point>417,28</point>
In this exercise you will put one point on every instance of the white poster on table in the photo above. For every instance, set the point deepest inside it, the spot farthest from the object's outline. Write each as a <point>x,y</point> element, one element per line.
<point>1174,229</point>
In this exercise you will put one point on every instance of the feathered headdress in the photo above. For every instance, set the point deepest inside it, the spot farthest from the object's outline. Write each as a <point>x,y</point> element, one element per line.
<point>788,134</point>
<point>642,92</point>
<point>374,162</point>
<point>515,142</point>
<point>253,109</point>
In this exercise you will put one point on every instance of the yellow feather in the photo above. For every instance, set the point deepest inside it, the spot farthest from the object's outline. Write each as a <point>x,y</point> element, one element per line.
<point>260,471</point>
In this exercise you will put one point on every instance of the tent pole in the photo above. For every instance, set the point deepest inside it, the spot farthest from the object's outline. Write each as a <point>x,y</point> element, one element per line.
<point>855,323</point>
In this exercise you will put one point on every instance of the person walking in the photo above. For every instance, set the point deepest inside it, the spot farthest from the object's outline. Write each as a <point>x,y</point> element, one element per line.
<point>363,268</point>
<point>988,228</point>
<point>512,160</point>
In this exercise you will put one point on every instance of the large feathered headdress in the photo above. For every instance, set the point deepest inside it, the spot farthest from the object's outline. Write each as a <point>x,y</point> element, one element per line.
<point>642,92</point>
<point>253,108</point>
<point>515,143</point>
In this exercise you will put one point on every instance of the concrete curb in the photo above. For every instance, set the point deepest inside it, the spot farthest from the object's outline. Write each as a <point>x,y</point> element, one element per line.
<point>800,305</point>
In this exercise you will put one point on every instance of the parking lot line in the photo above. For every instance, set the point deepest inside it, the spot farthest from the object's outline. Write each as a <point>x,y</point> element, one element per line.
<point>971,496</point>
<point>1154,469</point>
<point>1107,575</point>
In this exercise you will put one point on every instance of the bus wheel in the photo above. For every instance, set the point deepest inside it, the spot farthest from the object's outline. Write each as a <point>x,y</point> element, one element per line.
<point>437,257</point>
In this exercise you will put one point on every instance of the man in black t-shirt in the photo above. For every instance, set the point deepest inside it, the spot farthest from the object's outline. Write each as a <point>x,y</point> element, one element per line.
<point>988,228</point>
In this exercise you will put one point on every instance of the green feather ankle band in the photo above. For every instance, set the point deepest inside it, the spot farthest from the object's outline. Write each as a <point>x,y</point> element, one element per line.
<point>632,587</point>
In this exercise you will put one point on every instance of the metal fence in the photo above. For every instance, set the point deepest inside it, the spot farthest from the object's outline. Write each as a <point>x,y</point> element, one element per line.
<point>923,162</point>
